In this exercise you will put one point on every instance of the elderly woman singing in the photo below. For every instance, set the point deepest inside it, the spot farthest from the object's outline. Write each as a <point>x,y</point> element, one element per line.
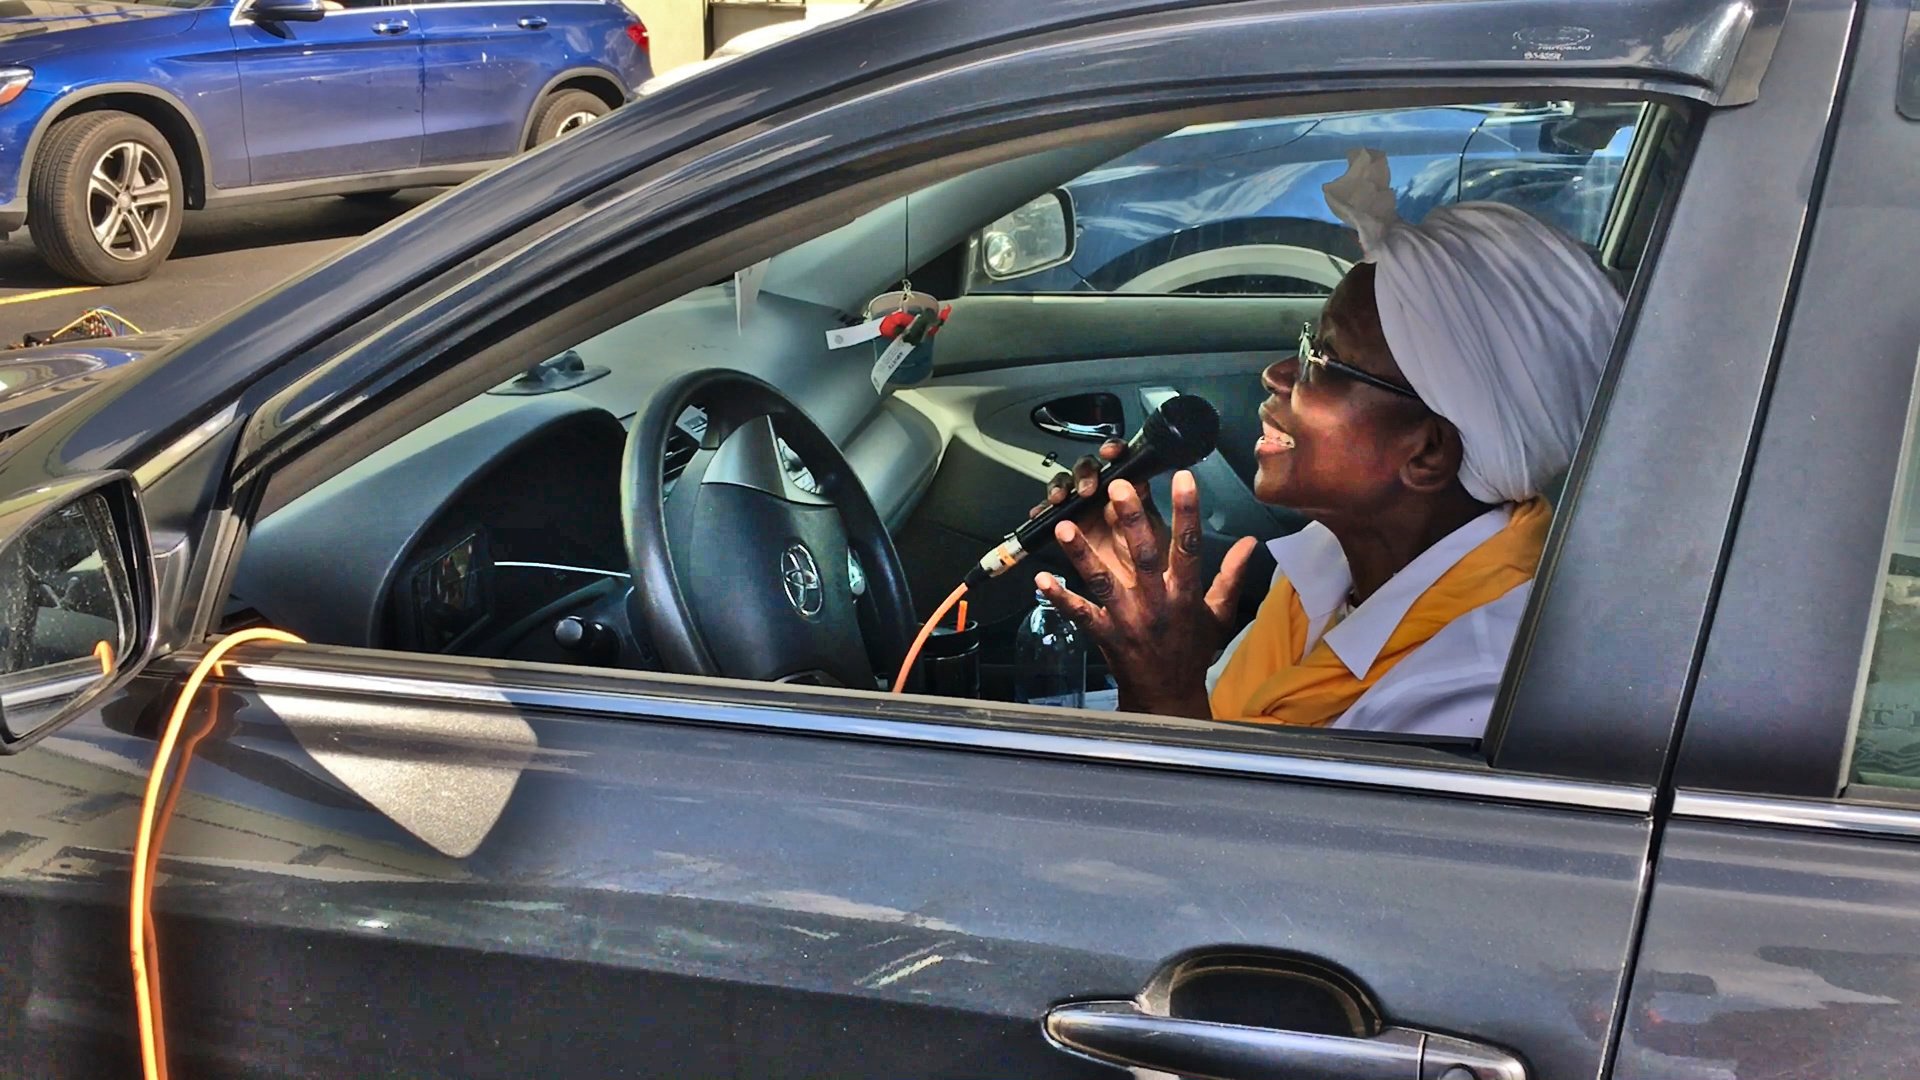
<point>1446,386</point>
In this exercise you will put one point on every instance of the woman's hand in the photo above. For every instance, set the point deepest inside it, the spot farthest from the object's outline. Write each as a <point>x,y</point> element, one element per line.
<point>1100,528</point>
<point>1147,608</point>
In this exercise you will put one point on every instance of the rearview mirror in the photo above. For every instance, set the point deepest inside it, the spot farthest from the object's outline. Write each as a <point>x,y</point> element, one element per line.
<point>76,601</point>
<point>1036,237</point>
<point>273,11</point>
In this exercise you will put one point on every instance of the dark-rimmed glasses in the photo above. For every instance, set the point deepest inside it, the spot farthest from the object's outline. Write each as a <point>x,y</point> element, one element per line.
<point>1313,361</point>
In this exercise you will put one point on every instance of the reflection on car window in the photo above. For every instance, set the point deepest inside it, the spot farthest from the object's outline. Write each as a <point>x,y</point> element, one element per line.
<point>1886,741</point>
<point>1236,208</point>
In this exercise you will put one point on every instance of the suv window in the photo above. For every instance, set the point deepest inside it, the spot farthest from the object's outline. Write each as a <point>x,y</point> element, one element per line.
<point>1236,208</point>
<point>1886,737</point>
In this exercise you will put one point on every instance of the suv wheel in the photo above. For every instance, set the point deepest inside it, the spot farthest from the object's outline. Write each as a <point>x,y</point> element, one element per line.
<point>565,113</point>
<point>105,198</point>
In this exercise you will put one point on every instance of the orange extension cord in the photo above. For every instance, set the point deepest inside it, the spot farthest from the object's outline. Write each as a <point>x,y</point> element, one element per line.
<point>141,935</point>
<point>920,642</point>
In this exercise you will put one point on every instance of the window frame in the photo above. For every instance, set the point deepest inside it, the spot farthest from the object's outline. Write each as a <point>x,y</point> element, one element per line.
<point>285,426</point>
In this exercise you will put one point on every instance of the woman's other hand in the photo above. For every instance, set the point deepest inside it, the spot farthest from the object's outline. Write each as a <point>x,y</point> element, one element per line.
<point>1148,607</point>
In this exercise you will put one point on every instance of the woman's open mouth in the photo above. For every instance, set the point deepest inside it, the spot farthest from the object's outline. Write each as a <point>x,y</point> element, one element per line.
<point>1273,438</point>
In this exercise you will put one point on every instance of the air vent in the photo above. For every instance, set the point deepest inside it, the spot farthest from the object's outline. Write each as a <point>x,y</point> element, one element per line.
<point>683,441</point>
<point>680,450</point>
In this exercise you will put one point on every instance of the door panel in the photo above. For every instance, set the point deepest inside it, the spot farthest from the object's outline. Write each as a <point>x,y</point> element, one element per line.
<point>1001,357</point>
<point>997,464</point>
<point>484,65</point>
<point>336,97</point>
<point>1771,953</point>
<point>992,332</point>
<point>706,899</point>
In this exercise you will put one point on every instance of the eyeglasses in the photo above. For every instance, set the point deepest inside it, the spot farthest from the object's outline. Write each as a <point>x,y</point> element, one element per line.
<point>1313,362</point>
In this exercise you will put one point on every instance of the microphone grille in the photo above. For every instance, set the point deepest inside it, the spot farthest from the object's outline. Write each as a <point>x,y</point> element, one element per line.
<point>1186,428</point>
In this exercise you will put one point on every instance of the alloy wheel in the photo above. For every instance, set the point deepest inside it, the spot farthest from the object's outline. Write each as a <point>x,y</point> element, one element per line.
<point>573,122</point>
<point>128,201</point>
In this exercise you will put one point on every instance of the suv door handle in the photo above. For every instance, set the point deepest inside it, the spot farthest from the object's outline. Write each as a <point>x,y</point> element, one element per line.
<point>391,26</point>
<point>1122,1033</point>
<point>534,22</point>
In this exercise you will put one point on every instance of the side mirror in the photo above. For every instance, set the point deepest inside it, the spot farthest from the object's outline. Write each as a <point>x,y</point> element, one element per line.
<point>1036,237</point>
<point>1584,135</point>
<point>285,11</point>
<point>76,601</point>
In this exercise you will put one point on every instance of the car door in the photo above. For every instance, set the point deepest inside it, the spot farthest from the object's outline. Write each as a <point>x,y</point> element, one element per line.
<point>486,65</point>
<point>1786,896</point>
<point>454,867</point>
<point>334,98</point>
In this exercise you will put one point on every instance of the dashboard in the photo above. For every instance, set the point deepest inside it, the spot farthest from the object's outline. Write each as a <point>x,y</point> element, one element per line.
<point>480,531</point>
<point>535,525</point>
<point>449,538</point>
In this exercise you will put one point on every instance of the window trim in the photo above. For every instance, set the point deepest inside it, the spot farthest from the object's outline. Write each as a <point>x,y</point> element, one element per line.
<point>408,680</point>
<point>1813,815</point>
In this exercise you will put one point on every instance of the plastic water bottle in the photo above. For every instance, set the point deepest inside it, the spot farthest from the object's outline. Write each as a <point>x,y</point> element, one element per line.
<point>1049,659</point>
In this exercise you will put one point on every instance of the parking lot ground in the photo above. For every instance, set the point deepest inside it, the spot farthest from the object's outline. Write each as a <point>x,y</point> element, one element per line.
<point>223,258</point>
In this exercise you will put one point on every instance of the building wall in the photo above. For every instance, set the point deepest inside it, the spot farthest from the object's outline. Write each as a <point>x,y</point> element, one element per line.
<point>678,29</point>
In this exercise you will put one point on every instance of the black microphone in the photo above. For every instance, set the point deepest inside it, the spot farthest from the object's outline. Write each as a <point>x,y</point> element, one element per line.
<point>1178,434</point>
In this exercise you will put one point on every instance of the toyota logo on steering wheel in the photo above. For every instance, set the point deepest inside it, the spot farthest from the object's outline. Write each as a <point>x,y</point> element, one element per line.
<point>801,577</point>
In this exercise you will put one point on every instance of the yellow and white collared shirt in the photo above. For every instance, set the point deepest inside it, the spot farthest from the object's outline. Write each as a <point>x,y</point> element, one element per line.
<point>1447,685</point>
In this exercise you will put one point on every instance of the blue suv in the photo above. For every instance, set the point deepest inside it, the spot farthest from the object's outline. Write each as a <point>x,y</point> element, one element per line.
<point>117,116</point>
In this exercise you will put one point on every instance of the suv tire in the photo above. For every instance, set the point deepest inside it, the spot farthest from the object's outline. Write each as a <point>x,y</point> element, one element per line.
<point>105,198</point>
<point>564,113</point>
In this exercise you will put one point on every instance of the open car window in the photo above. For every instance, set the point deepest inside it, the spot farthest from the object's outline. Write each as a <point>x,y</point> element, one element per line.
<point>495,530</point>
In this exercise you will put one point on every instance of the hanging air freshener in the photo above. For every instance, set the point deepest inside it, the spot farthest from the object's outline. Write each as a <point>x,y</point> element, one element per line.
<point>901,326</point>
<point>903,351</point>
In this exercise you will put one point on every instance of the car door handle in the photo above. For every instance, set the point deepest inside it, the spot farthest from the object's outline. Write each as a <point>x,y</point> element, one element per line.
<point>1044,419</point>
<point>1122,1033</point>
<point>391,26</point>
<point>534,22</point>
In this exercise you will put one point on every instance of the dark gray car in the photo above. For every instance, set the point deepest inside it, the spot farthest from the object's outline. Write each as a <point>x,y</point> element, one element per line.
<point>568,781</point>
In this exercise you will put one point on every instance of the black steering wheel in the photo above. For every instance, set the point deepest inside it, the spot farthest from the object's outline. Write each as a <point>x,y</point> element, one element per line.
<point>741,570</point>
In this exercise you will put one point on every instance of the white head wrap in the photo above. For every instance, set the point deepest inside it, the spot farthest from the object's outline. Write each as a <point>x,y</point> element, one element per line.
<point>1501,324</point>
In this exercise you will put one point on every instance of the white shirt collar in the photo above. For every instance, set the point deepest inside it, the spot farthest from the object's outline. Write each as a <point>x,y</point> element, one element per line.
<point>1312,561</point>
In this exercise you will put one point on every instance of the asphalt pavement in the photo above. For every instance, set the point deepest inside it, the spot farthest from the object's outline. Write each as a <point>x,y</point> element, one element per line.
<point>223,258</point>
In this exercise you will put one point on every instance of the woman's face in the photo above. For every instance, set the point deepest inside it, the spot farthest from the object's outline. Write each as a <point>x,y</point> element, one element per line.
<point>1332,446</point>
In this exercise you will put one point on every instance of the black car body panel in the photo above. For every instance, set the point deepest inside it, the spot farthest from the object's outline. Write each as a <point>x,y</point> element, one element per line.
<point>715,901</point>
